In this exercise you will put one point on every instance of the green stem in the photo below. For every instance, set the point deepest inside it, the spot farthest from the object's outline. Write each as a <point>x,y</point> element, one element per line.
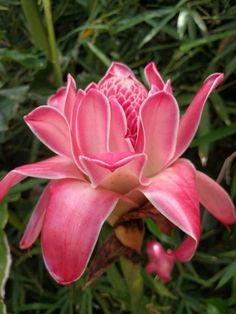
<point>35,25</point>
<point>52,42</point>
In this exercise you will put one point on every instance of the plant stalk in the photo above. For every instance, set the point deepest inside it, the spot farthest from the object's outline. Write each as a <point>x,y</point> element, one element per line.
<point>54,56</point>
<point>35,25</point>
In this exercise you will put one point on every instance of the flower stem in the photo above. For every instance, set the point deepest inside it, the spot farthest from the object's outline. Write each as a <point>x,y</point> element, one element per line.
<point>35,25</point>
<point>52,42</point>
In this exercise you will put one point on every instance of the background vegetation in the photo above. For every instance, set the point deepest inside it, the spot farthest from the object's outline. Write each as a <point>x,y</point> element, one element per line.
<point>188,40</point>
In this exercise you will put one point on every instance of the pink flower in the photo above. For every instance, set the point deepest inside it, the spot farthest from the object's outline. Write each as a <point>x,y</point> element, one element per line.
<point>161,262</point>
<point>117,146</point>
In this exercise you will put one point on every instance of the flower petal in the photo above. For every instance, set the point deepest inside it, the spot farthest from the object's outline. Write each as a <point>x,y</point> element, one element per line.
<point>185,251</point>
<point>159,117</point>
<point>191,119</point>
<point>53,168</point>
<point>117,69</point>
<point>91,86</point>
<point>73,220</point>
<point>35,223</point>
<point>58,99</point>
<point>70,97</point>
<point>118,129</point>
<point>168,87</point>
<point>173,193</point>
<point>93,123</point>
<point>215,199</point>
<point>160,262</point>
<point>153,76</point>
<point>127,168</point>
<point>51,127</point>
<point>74,123</point>
<point>64,98</point>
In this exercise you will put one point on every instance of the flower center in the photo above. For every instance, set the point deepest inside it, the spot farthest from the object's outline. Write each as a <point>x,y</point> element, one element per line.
<point>130,94</point>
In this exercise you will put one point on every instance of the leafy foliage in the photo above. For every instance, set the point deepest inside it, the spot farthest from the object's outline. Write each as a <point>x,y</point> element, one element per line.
<point>188,40</point>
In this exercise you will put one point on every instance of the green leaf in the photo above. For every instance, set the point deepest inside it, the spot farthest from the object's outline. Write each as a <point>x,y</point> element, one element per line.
<point>156,29</point>
<point>3,215</point>
<point>230,68</point>
<point>215,135</point>
<point>233,186</point>
<point>134,280</point>
<point>132,21</point>
<point>116,280</point>
<point>199,21</point>
<point>9,102</point>
<point>98,53</point>
<point>188,45</point>
<point>216,306</point>
<point>230,271</point>
<point>29,60</point>
<point>182,23</point>
<point>220,108</point>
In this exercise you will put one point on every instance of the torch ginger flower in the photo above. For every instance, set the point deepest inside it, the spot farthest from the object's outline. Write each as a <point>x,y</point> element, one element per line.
<point>117,146</point>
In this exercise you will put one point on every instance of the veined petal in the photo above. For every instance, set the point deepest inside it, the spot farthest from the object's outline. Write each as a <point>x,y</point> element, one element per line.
<point>35,223</point>
<point>191,119</point>
<point>73,220</point>
<point>215,199</point>
<point>153,76</point>
<point>93,123</point>
<point>51,127</point>
<point>173,193</point>
<point>53,168</point>
<point>159,117</point>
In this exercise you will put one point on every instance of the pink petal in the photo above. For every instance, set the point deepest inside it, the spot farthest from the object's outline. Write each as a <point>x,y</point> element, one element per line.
<point>118,129</point>
<point>51,127</point>
<point>74,123</point>
<point>70,97</point>
<point>127,167</point>
<point>34,226</point>
<point>191,119</point>
<point>160,262</point>
<point>53,168</point>
<point>58,100</point>
<point>173,193</point>
<point>91,86</point>
<point>159,116</point>
<point>215,199</point>
<point>72,223</point>
<point>153,76</point>
<point>79,97</point>
<point>93,123</point>
<point>168,87</point>
<point>185,250</point>
<point>64,98</point>
<point>117,69</point>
